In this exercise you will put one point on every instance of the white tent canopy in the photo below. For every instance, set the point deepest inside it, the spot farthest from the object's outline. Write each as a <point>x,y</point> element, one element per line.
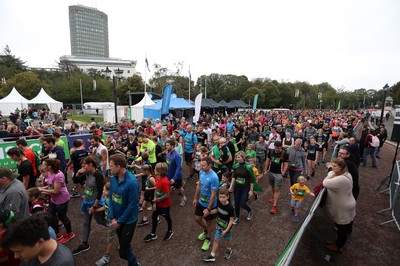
<point>44,98</point>
<point>13,101</point>
<point>137,109</point>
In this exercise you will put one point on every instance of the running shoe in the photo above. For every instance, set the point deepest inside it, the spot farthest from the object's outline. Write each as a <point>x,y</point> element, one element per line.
<point>75,194</point>
<point>80,249</point>
<point>228,254</point>
<point>67,237</point>
<point>206,245</point>
<point>296,218</point>
<point>150,237</point>
<point>209,258</point>
<point>271,200</point>
<point>250,215</point>
<point>183,202</point>
<point>202,236</point>
<point>274,209</point>
<point>59,237</point>
<point>236,221</point>
<point>103,260</point>
<point>143,222</point>
<point>168,235</point>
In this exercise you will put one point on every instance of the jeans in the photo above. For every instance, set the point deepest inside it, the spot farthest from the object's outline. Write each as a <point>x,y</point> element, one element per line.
<point>87,221</point>
<point>125,234</point>
<point>378,151</point>
<point>241,194</point>
<point>60,211</point>
<point>369,151</point>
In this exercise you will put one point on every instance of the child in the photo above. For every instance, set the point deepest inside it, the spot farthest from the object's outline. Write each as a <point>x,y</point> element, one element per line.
<point>251,153</point>
<point>256,174</point>
<point>6,256</point>
<point>224,183</point>
<point>36,204</point>
<point>48,218</point>
<point>197,159</point>
<point>298,191</point>
<point>224,152</point>
<point>224,222</point>
<point>312,157</point>
<point>161,203</point>
<point>148,192</point>
<point>145,161</point>
<point>111,233</point>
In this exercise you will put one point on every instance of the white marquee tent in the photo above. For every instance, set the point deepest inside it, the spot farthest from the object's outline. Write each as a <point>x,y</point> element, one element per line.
<point>13,101</point>
<point>44,98</point>
<point>137,109</point>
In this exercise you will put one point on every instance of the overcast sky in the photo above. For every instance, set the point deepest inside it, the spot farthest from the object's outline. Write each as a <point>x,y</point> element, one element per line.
<point>350,44</point>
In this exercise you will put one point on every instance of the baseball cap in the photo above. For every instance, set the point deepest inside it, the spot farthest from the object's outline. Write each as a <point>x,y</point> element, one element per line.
<point>6,217</point>
<point>7,172</point>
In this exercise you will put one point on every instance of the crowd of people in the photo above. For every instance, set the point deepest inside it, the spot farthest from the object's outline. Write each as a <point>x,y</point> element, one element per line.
<point>136,168</point>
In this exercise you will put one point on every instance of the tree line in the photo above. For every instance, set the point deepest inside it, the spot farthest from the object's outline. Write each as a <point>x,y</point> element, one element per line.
<point>64,85</point>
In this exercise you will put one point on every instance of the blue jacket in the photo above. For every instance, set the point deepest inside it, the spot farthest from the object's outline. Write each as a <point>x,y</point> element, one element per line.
<point>174,162</point>
<point>124,199</point>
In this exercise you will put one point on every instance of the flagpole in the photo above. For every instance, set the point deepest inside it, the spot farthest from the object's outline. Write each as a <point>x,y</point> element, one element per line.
<point>145,76</point>
<point>189,83</point>
<point>80,86</point>
<point>205,89</point>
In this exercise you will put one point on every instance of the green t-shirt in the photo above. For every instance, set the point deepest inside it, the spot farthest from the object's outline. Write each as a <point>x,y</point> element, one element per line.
<point>150,148</point>
<point>252,154</point>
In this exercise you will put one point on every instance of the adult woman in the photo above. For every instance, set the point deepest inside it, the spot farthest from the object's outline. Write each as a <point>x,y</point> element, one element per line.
<point>238,137</point>
<point>261,147</point>
<point>322,143</point>
<point>242,185</point>
<point>59,199</point>
<point>132,145</point>
<point>92,199</point>
<point>288,141</point>
<point>340,204</point>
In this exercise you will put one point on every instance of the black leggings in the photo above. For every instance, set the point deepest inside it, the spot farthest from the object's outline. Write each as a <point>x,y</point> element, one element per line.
<point>163,212</point>
<point>342,232</point>
<point>60,211</point>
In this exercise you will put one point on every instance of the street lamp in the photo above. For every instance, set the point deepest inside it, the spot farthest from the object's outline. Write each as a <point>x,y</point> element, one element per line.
<point>385,89</point>
<point>115,78</point>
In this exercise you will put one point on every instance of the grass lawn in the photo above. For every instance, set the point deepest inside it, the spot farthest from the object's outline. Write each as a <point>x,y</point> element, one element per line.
<point>86,118</point>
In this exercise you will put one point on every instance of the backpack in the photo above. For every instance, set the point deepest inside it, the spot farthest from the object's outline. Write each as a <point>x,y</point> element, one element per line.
<point>374,142</point>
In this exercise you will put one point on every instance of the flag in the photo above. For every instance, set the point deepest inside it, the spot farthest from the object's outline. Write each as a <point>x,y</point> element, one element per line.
<point>297,93</point>
<point>197,107</point>
<point>166,99</point>
<point>255,102</point>
<point>94,85</point>
<point>147,65</point>
<point>338,106</point>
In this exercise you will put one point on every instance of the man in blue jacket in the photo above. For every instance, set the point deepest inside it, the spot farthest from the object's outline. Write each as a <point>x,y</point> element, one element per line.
<point>174,162</point>
<point>123,209</point>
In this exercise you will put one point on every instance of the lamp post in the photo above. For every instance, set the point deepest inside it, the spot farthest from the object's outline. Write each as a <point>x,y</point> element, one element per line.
<point>385,89</point>
<point>115,78</point>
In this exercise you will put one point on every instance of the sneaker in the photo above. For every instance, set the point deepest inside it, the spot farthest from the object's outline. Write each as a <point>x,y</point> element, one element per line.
<point>67,237</point>
<point>202,236</point>
<point>274,209</point>
<point>80,249</point>
<point>59,237</point>
<point>209,258</point>
<point>271,200</point>
<point>206,245</point>
<point>183,202</point>
<point>296,218</point>
<point>150,237</point>
<point>236,221</point>
<point>308,177</point>
<point>228,254</point>
<point>149,208</point>
<point>103,261</point>
<point>250,215</point>
<point>158,220</point>
<point>143,222</point>
<point>168,235</point>
<point>75,194</point>
<point>140,209</point>
<point>60,225</point>
<point>255,196</point>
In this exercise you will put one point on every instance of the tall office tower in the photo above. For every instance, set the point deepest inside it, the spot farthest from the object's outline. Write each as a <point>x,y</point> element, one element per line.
<point>89,32</point>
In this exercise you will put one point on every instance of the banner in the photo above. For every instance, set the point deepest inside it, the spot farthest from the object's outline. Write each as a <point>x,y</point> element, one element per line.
<point>166,99</point>
<point>32,143</point>
<point>197,107</point>
<point>338,106</point>
<point>255,102</point>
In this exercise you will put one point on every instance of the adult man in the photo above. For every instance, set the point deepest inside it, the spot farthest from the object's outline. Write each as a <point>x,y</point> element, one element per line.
<point>123,209</point>
<point>29,154</point>
<point>221,156</point>
<point>354,149</point>
<point>55,152</point>
<point>174,162</point>
<point>273,137</point>
<point>149,147</point>
<point>59,142</point>
<point>275,160</point>
<point>229,126</point>
<point>253,135</point>
<point>78,153</point>
<point>344,153</point>
<point>101,153</point>
<point>13,194</point>
<point>310,131</point>
<point>297,161</point>
<point>205,199</point>
<point>382,136</point>
<point>30,240</point>
<point>189,142</point>
<point>202,137</point>
<point>24,166</point>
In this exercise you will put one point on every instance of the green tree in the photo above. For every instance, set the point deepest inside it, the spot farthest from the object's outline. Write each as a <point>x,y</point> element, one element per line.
<point>10,64</point>
<point>248,96</point>
<point>27,83</point>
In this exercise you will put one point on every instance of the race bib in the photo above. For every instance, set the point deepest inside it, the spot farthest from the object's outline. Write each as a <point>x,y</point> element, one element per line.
<point>117,199</point>
<point>240,181</point>
<point>203,198</point>
<point>89,192</point>
<point>223,224</point>
<point>300,192</point>
<point>159,193</point>
<point>294,164</point>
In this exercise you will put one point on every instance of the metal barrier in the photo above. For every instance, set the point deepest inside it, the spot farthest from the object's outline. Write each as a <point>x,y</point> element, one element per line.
<point>394,197</point>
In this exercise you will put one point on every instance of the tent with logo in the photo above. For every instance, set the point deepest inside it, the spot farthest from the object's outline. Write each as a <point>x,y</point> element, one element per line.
<point>43,98</point>
<point>13,101</point>
<point>175,104</point>
<point>137,110</point>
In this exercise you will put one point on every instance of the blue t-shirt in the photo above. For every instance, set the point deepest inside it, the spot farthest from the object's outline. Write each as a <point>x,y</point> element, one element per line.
<point>229,127</point>
<point>190,140</point>
<point>208,182</point>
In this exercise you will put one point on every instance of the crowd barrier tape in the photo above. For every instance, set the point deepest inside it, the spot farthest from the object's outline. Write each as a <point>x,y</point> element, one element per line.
<point>286,257</point>
<point>35,144</point>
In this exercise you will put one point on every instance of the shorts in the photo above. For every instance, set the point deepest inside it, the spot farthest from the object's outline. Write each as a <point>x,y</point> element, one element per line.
<point>218,232</point>
<point>78,179</point>
<point>143,187</point>
<point>149,195</point>
<point>199,212</point>
<point>178,183</point>
<point>295,203</point>
<point>111,235</point>
<point>275,180</point>
<point>189,157</point>
<point>162,211</point>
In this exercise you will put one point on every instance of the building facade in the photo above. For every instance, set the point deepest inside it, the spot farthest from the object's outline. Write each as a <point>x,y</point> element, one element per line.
<point>88,32</point>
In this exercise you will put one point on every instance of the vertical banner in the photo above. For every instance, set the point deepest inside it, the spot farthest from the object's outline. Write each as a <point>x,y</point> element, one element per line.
<point>297,93</point>
<point>94,85</point>
<point>166,99</point>
<point>197,107</point>
<point>338,106</point>
<point>255,102</point>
